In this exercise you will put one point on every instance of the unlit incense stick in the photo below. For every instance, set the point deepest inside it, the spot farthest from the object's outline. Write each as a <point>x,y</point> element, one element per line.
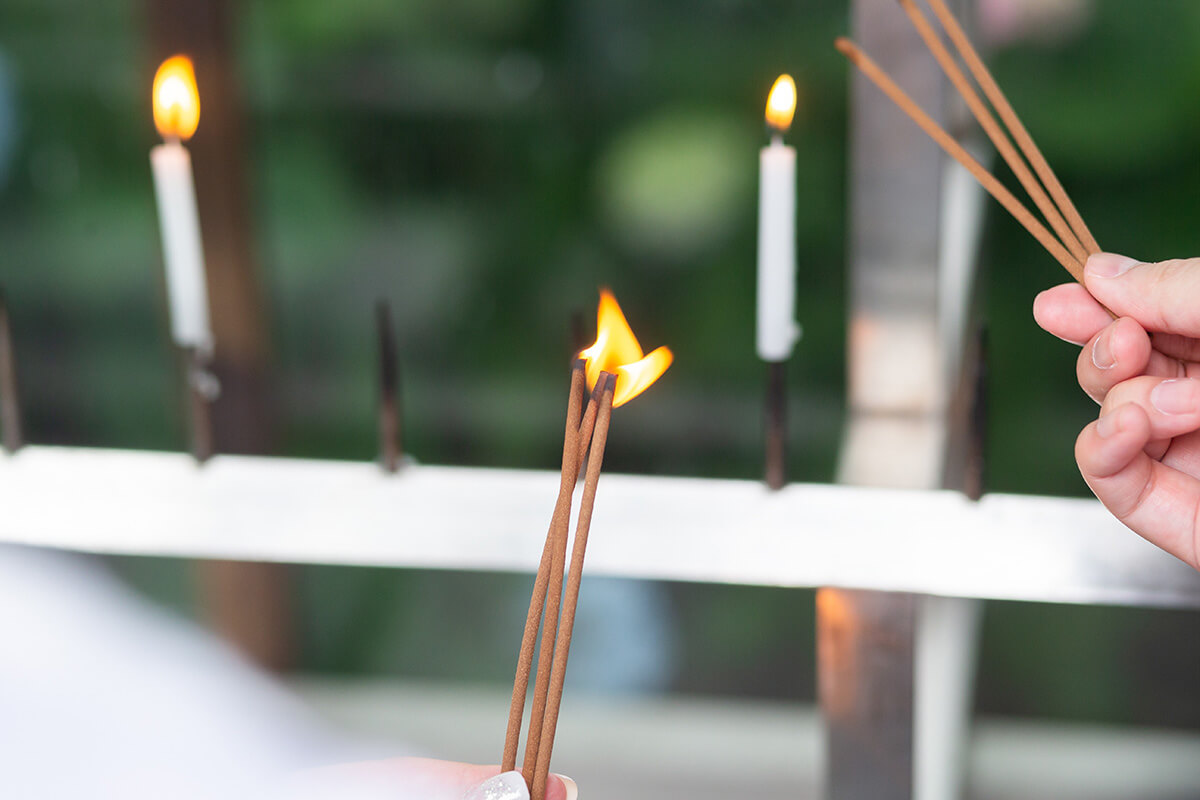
<point>994,94</point>
<point>993,130</point>
<point>947,142</point>
<point>202,389</point>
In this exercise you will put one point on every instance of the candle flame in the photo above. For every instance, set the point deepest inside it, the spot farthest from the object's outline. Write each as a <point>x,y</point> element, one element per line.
<point>616,350</point>
<point>781,103</point>
<point>175,98</point>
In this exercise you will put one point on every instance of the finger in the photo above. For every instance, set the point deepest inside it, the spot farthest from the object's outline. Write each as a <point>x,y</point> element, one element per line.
<point>431,779</point>
<point>1183,454</point>
<point>1172,406</point>
<point>511,786</point>
<point>1070,312</point>
<point>1177,347</point>
<point>1120,351</point>
<point>488,783</point>
<point>1154,500</point>
<point>1161,296</point>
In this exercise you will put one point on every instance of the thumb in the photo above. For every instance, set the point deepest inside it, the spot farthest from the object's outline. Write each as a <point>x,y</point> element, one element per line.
<point>1162,297</point>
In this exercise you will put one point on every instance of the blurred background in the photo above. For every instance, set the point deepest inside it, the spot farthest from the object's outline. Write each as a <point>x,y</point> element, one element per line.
<point>484,166</point>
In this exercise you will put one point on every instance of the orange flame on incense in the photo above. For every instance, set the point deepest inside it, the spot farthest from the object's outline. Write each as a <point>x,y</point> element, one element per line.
<point>616,350</point>
<point>175,99</point>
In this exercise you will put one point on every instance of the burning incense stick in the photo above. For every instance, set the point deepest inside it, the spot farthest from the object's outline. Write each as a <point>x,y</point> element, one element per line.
<point>552,621</point>
<point>561,516</point>
<point>990,88</point>
<point>607,384</point>
<point>391,446</point>
<point>616,352</point>
<point>993,130</point>
<point>947,142</point>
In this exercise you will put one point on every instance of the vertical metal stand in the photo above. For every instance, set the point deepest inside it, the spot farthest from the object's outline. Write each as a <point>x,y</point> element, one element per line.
<point>865,689</point>
<point>202,391</point>
<point>898,388</point>
<point>10,405</point>
<point>391,448</point>
<point>775,426</point>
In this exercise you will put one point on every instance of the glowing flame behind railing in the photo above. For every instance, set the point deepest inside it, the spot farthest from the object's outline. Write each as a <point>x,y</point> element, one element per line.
<point>781,103</point>
<point>616,350</point>
<point>175,98</point>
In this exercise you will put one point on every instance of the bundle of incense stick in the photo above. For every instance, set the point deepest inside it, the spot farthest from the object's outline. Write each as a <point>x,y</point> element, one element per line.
<point>1072,242</point>
<point>583,442</point>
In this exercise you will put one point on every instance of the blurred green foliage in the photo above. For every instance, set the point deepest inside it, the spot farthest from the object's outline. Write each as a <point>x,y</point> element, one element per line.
<point>485,165</point>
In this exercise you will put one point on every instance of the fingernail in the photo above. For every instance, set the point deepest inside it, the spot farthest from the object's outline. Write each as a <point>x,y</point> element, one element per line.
<point>505,786</point>
<point>1108,426</point>
<point>1178,396</point>
<point>1109,265</point>
<point>572,789</point>
<point>1102,355</point>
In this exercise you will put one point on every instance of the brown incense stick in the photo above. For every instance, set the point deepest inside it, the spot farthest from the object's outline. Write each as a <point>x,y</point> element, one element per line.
<point>550,622</point>
<point>992,128</point>
<point>990,88</point>
<point>947,142</point>
<point>567,623</point>
<point>588,425</point>
<point>560,520</point>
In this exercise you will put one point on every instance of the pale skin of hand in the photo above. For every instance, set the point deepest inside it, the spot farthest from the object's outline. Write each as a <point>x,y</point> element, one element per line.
<point>1141,457</point>
<point>426,778</point>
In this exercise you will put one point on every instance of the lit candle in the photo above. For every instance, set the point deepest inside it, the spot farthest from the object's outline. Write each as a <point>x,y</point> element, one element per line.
<point>176,115</point>
<point>777,330</point>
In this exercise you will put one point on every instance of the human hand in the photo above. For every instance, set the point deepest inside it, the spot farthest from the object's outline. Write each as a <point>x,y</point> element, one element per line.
<point>1141,457</point>
<point>430,779</point>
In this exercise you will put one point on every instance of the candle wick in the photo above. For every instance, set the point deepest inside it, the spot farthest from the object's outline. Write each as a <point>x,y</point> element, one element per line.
<point>776,139</point>
<point>171,139</point>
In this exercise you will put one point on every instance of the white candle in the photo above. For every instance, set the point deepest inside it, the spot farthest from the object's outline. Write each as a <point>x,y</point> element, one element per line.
<point>176,114</point>
<point>777,328</point>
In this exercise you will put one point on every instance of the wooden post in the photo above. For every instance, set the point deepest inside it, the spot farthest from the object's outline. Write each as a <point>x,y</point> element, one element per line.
<point>897,396</point>
<point>246,602</point>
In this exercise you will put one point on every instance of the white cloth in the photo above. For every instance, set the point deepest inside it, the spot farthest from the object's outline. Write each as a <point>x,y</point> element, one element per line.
<point>102,696</point>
